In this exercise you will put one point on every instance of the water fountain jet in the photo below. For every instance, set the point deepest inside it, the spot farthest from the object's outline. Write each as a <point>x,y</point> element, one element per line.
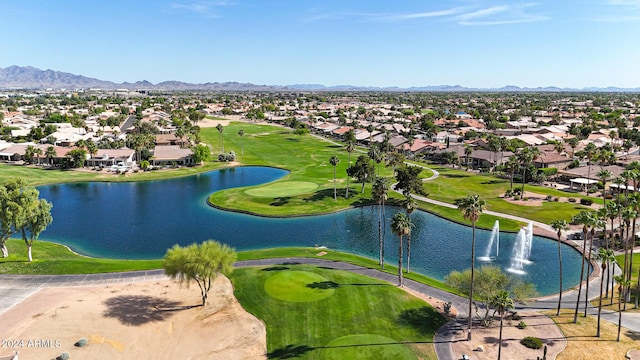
<point>522,250</point>
<point>495,238</point>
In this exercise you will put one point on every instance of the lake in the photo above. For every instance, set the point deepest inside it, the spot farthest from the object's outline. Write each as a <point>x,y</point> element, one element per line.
<point>141,220</point>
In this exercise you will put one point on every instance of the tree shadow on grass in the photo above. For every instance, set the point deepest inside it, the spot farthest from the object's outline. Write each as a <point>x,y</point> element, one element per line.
<point>140,309</point>
<point>492,182</point>
<point>426,320</point>
<point>324,194</point>
<point>275,268</point>
<point>323,285</point>
<point>633,335</point>
<point>289,351</point>
<point>293,351</point>
<point>280,201</point>
<point>454,176</point>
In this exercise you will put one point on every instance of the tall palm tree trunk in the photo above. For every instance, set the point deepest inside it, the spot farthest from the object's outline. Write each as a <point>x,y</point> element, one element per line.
<point>560,270</point>
<point>408,252</point>
<point>586,293</point>
<point>380,236</point>
<point>584,250</point>
<point>473,259</point>
<point>400,262</point>
<point>604,266</point>
<point>500,341</point>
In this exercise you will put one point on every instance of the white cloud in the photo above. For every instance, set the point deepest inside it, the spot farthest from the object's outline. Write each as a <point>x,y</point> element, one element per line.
<point>205,8</point>
<point>499,15</point>
<point>419,15</point>
<point>625,3</point>
<point>621,11</point>
<point>468,16</point>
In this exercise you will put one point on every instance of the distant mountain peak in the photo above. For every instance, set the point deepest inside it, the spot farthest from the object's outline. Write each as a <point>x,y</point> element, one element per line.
<point>29,77</point>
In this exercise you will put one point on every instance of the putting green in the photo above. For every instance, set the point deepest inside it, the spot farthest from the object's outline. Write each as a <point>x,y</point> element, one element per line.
<point>282,189</point>
<point>365,347</point>
<point>298,286</point>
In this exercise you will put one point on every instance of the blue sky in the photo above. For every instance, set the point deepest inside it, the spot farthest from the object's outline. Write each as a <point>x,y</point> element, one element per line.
<point>472,43</point>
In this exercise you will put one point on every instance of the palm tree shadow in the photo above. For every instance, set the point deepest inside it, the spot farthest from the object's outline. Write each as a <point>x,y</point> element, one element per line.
<point>136,310</point>
<point>289,351</point>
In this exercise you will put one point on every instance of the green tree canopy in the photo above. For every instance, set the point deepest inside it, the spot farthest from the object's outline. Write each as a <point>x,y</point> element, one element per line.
<point>200,263</point>
<point>363,170</point>
<point>488,282</point>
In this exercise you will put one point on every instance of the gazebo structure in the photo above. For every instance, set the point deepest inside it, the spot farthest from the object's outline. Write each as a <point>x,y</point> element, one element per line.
<point>582,183</point>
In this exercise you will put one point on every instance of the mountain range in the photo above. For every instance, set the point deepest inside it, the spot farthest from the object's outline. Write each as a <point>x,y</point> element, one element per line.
<point>28,77</point>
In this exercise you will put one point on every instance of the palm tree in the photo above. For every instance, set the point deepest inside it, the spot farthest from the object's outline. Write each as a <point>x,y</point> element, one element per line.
<point>400,225</point>
<point>584,218</point>
<point>241,134</point>
<point>526,157</point>
<point>612,210</point>
<point>622,284</point>
<point>511,166</point>
<point>467,153</point>
<point>596,222</point>
<point>604,175</point>
<point>334,160</point>
<point>351,146</point>
<point>220,130</point>
<point>380,192</point>
<point>604,256</point>
<point>559,226</point>
<point>471,208</point>
<point>628,213</point>
<point>573,143</point>
<point>589,152</point>
<point>374,154</point>
<point>410,205</point>
<point>50,153</point>
<point>502,303</point>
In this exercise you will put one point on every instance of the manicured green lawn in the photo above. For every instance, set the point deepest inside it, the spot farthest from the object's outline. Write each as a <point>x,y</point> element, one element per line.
<point>306,156</point>
<point>454,184</point>
<point>360,318</point>
<point>51,258</point>
<point>38,176</point>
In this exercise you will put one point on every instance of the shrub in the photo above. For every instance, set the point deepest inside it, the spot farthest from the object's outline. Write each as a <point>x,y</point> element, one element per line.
<point>521,325</point>
<point>516,197</point>
<point>63,356</point>
<point>555,199</point>
<point>548,171</point>
<point>525,198</point>
<point>549,197</point>
<point>531,342</point>
<point>586,202</point>
<point>571,200</point>
<point>230,156</point>
<point>608,196</point>
<point>81,343</point>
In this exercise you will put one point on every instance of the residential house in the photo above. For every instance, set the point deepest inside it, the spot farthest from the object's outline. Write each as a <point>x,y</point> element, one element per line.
<point>109,157</point>
<point>167,155</point>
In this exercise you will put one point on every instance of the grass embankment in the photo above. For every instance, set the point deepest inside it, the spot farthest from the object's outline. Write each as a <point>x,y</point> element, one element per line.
<point>454,184</point>
<point>307,189</point>
<point>316,313</point>
<point>50,258</point>
<point>582,343</point>
<point>36,175</point>
<point>54,259</point>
